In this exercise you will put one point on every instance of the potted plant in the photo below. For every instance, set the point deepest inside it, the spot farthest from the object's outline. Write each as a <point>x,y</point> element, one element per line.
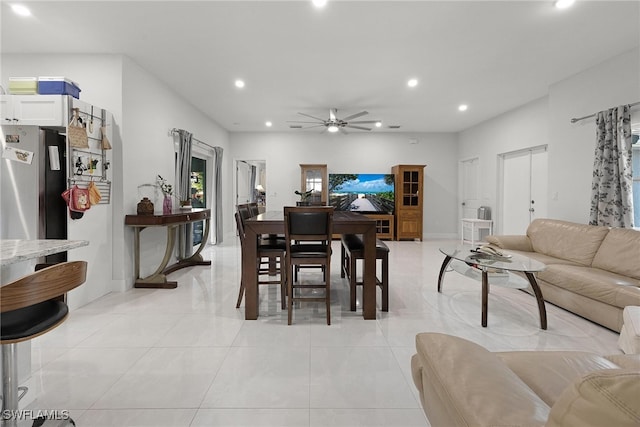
<point>167,191</point>
<point>304,197</point>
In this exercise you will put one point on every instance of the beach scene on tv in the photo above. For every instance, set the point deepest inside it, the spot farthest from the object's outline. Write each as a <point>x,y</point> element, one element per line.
<point>364,193</point>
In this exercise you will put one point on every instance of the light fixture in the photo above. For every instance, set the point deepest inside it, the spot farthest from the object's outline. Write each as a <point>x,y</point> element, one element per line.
<point>239,83</point>
<point>319,3</point>
<point>332,128</point>
<point>563,4</point>
<point>463,107</point>
<point>21,10</point>
<point>260,188</point>
<point>268,124</point>
<point>412,82</point>
<point>378,124</point>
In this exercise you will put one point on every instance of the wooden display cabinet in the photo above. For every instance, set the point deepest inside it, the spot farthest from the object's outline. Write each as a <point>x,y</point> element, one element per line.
<point>409,181</point>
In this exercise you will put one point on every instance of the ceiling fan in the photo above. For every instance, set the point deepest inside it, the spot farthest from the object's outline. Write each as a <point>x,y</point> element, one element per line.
<point>333,124</point>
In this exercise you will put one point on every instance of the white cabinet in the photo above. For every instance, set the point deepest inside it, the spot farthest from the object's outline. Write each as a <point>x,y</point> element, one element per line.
<point>38,110</point>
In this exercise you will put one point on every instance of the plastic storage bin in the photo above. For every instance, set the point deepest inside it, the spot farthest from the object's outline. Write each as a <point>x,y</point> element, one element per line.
<point>57,86</point>
<point>23,85</point>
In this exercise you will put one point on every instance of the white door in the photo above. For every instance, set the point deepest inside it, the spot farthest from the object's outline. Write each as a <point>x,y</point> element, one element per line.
<point>524,189</point>
<point>469,192</point>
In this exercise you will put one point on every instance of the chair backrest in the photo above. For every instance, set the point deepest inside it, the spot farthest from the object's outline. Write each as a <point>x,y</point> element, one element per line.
<point>240,226</point>
<point>42,285</point>
<point>308,223</point>
<point>253,209</point>
<point>244,211</point>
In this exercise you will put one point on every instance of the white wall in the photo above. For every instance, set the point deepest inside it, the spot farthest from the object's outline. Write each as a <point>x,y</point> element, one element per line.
<point>151,109</point>
<point>609,84</point>
<point>547,121</point>
<point>358,153</point>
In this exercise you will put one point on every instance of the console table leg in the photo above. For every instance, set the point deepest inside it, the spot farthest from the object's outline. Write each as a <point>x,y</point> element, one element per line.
<point>485,297</point>
<point>536,290</point>
<point>158,279</point>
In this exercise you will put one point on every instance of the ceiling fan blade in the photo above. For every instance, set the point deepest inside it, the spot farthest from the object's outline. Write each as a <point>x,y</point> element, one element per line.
<point>333,112</point>
<point>295,126</point>
<point>300,121</point>
<point>364,121</point>
<point>358,127</point>
<point>355,116</point>
<point>305,127</point>
<point>312,117</point>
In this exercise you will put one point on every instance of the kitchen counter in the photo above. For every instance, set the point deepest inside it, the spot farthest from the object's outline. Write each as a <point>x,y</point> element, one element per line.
<point>14,251</point>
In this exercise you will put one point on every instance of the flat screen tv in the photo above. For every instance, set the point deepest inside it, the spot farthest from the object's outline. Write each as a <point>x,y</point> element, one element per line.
<point>362,192</point>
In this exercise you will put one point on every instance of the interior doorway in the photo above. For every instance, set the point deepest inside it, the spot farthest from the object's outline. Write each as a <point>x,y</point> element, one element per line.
<point>469,188</point>
<point>251,183</point>
<point>524,188</point>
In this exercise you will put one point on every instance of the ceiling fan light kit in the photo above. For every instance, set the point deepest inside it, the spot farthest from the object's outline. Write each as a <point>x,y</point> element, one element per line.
<point>333,123</point>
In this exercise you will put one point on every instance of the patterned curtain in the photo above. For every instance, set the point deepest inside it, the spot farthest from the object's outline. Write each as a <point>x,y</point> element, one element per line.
<point>611,194</point>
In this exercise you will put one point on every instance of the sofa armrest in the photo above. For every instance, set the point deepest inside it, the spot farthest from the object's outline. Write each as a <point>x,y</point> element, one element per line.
<point>462,384</point>
<point>513,242</point>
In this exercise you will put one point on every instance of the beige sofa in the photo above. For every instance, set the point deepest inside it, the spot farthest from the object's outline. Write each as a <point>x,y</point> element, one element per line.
<point>591,271</point>
<point>463,384</point>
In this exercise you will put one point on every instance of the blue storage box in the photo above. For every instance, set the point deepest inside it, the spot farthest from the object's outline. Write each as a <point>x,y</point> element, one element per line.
<point>58,86</point>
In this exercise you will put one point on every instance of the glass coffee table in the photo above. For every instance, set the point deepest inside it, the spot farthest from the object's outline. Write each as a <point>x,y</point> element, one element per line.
<point>494,270</point>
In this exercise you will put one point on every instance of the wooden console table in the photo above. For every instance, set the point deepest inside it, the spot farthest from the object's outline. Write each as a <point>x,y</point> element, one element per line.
<point>159,278</point>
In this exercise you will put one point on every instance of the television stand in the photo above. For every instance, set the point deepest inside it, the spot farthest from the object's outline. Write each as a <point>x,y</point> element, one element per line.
<point>384,225</point>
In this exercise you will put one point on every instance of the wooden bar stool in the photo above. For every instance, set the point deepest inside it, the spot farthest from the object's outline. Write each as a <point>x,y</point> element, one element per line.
<point>353,250</point>
<point>29,307</point>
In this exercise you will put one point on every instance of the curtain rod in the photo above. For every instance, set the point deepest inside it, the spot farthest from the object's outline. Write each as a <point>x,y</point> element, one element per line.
<point>574,120</point>
<point>174,130</point>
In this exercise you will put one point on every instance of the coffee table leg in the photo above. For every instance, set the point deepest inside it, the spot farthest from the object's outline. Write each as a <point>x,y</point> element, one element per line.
<point>445,264</point>
<point>541,308</point>
<point>485,297</point>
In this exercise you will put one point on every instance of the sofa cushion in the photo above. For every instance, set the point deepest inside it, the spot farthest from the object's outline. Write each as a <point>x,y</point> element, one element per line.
<point>462,384</point>
<point>593,283</point>
<point>602,398</point>
<point>620,252</point>
<point>626,361</point>
<point>566,240</point>
<point>549,373</point>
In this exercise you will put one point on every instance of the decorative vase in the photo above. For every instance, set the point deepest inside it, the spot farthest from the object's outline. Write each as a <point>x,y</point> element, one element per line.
<point>167,205</point>
<point>145,207</point>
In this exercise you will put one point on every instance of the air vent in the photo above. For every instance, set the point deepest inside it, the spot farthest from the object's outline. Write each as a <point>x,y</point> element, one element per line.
<point>295,126</point>
<point>394,126</point>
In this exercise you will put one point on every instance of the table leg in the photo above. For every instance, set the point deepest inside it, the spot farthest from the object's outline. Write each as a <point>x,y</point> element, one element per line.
<point>485,297</point>
<point>158,279</point>
<point>249,268</point>
<point>443,269</point>
<point>536,290</point>
<point>369,274</point>
<point>196,258</point>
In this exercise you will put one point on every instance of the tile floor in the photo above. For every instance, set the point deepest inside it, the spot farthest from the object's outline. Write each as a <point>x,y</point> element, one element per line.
<point>187,357</point>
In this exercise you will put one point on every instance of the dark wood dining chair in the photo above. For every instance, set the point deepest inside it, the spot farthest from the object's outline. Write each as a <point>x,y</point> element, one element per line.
<point>308,242</point>
<point>29,307</point>
<point>271,260</point>
<point>253,209</point>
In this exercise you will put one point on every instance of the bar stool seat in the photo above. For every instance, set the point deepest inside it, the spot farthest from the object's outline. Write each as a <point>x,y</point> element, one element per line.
<point>31,306</point>
<point>352,249</point>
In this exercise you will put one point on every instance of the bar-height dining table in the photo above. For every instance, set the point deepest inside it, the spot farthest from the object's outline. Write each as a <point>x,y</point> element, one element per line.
<point>272,222</point>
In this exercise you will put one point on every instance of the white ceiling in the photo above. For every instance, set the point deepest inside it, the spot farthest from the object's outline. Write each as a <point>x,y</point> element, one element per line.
<point>351,55</point>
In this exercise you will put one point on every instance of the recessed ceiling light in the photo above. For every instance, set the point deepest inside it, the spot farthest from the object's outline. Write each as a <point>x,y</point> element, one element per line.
<point>563,4</point>
<point>268,124</point>
<point>378,124</point>
<point>463,107</point>
<point>319,3</point>
<point>412,82</point>
<point>21,10</point>
<point>239,83</point>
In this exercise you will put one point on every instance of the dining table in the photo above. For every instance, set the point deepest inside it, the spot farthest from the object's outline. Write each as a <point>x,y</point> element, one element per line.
<point>344,222</point>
